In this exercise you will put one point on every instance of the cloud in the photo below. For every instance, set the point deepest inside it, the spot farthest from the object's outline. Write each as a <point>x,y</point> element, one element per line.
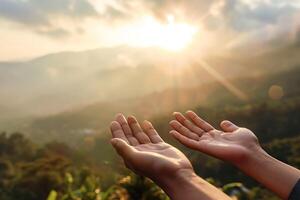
<point>22,12</point>
<point>243,16</point>
<point>40,15</point>
<point>114,14</point>
<point>241,21</point>
<point>192,9</point>
<point>240,15</point>
<point>55,33</point>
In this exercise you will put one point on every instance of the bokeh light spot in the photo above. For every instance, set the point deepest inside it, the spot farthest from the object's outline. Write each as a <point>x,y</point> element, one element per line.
<point>276,92</point>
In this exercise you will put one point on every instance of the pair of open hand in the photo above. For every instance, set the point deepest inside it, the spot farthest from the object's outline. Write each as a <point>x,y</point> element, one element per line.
<point>145,153</point>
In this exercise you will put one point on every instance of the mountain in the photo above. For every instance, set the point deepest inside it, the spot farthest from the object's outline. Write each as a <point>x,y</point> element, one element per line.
<point>71,80</point>
<point>73,125</point>
<point>61,81</point>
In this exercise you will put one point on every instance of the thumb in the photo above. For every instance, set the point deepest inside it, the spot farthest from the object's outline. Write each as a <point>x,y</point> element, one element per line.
<point>228,126</point>
<point>122,148</point>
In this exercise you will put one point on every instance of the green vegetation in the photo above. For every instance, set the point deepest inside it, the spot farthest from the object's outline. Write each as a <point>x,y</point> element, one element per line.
<point>92,171</point>
<point>56,171</point>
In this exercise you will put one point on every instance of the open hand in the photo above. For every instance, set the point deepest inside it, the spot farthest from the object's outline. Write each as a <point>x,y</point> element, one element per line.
<point>144,151</point>
<point>231,144</point>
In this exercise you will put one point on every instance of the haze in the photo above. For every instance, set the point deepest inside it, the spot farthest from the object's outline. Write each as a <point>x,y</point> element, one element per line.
<point>67,55</point>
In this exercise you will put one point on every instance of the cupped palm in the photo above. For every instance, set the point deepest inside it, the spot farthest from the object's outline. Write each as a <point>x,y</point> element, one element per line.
<point>231,144</point>
<point>143,150</point>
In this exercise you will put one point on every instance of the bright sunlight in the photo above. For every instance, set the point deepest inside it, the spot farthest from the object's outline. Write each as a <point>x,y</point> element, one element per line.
<point>170,35</point>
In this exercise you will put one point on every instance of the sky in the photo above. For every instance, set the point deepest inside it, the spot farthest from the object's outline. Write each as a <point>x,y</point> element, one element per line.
<point>29,28</point>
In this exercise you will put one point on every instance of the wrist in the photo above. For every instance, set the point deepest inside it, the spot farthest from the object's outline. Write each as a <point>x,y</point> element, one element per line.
<point>176,179</point>
<point>185,184</point>
<point>176,184</point>
<point>251,157</point>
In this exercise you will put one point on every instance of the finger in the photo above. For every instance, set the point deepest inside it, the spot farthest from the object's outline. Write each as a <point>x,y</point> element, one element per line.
<point>123,149</point>
<point>127,131</point>
<point>199,122</point>
<point>183,130</point>
<point>187,123</point>
<point>151,132</point>
<point>184,140</point>
<point>117,131</point>
<point>137,131</point>
<point>228,126</point>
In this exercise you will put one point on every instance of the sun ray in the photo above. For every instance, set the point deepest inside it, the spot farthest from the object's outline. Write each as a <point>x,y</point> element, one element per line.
<point>226,83</point>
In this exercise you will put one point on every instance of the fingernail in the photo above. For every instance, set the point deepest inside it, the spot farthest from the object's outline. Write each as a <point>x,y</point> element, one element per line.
<point>132,119</point>
<point>114,123</point>
<point>146,123</point>
<point>172,122</point>
<point>118,115</point>
<point>228,123</point>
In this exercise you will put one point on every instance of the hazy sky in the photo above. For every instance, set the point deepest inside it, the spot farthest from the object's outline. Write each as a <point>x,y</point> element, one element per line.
<point>34,27</point>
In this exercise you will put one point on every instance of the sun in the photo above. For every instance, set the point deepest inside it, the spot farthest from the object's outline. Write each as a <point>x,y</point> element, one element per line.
<point>169,35</point>
<point>174,36</point>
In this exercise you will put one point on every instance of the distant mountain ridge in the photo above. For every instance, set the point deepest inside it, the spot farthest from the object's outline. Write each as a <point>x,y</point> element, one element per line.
<point>61,81</point>
<point>95,118</point>
<point>56,82</point>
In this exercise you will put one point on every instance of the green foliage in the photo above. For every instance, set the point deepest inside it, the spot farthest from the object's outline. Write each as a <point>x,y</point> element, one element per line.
<point>52,195</point>
<point>139,187</point>
<point>262,194</point>
<point>286,150</point>
<point>237,190</point>
<point>51,173</point>
<point>56,171</point>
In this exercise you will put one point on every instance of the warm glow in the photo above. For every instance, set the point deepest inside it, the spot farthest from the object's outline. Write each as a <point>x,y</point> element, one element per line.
<point>170,35</point>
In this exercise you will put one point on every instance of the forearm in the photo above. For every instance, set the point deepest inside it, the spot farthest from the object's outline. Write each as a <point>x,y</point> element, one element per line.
<point>187,185</point>
<point>270,172</point>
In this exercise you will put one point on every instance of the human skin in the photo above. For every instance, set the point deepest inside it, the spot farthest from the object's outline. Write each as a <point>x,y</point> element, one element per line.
<point>145,153</point>
<point>237,145</point>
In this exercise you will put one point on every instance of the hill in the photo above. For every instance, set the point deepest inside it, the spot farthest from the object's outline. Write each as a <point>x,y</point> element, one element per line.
<point>95,118</point>
<point>67,80</point>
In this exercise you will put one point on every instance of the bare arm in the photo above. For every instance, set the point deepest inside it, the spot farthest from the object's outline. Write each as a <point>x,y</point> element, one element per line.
<point>236,145</point>
<point>272,173</point>
<point>187,185</point>
<point>144,152</point>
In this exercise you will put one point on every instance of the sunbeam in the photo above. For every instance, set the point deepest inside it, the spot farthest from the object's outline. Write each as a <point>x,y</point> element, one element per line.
<point>227,84</point>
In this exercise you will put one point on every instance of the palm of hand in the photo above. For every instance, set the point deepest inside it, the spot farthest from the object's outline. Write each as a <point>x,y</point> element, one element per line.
<point>232,144</point>
<point>158,158</point>
<point>143,150</point>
